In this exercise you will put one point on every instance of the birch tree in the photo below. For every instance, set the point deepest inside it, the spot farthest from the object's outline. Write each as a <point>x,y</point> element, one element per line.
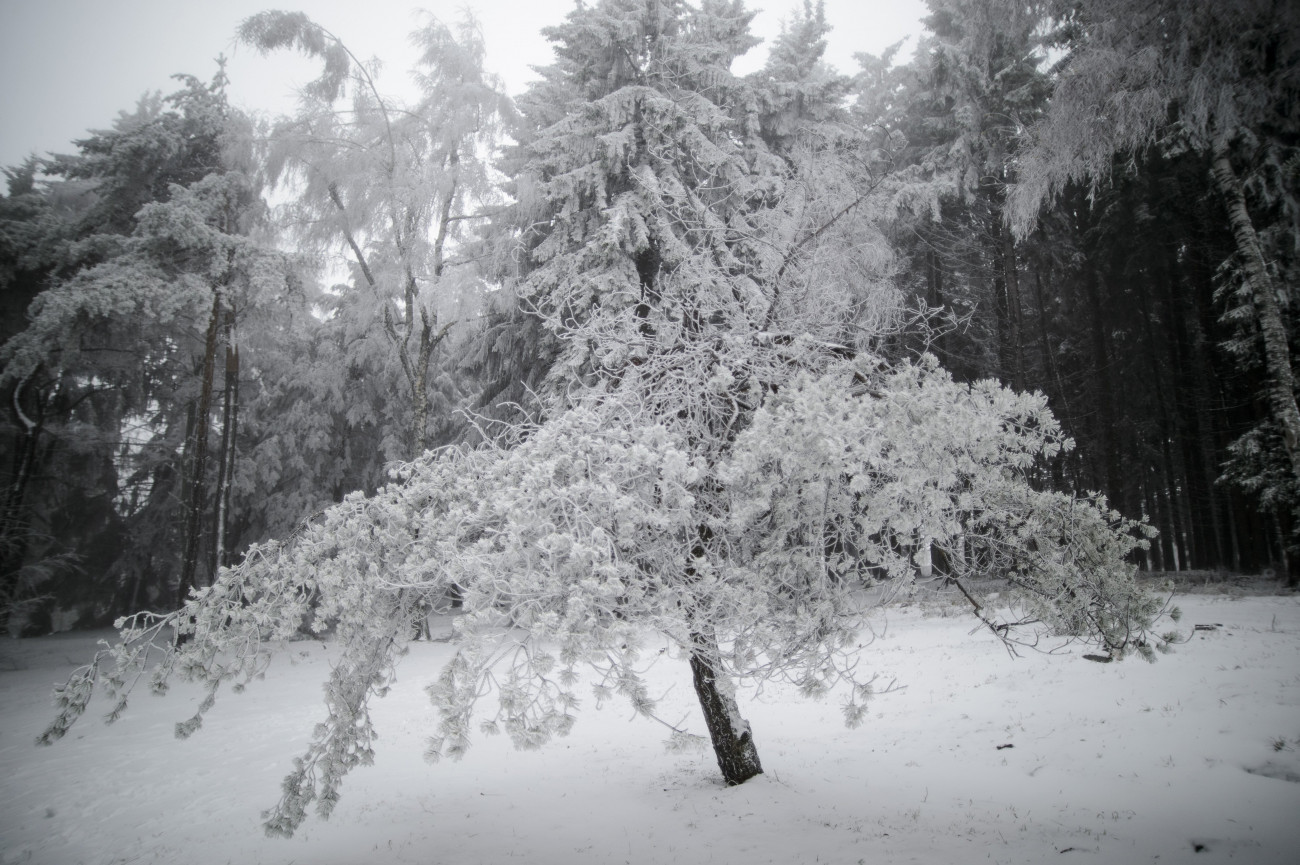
<point>391,184</point>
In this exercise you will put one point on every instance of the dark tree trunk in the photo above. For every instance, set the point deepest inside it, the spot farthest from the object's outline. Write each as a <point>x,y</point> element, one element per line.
<point>936,300</point>
<point>1156,553</point>
<point>733,743</point>
<point>1232,534</point>
<point>197,452</point>
<point>1284,560</point>
<point>1169,432</point>
<point>14,528</point>
<point>1051,371</point>
<point>1015,315</point>
<point>1107,429</point>
<point>1173,531</point>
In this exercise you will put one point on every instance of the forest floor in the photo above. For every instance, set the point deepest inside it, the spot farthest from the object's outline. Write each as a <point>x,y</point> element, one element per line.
<point>977,757</point>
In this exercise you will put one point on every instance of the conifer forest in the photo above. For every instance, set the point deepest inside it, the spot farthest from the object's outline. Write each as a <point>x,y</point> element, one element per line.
<point>653,351</point>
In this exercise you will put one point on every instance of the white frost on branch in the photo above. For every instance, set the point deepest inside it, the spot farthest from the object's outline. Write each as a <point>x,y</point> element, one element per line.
<point>569,544</point>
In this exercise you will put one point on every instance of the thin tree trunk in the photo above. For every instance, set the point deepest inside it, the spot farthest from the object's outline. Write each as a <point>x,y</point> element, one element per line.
<point>199,461</point>
<point>233,369</point>
<point>1175,550</point>
<point>226,454</point>
<point>1285,561</point>
<point>14,527</point>
<point>1157,550</point>
<point>347,235</point>
<point>1233,536</point>
<point>1168,430</point>
<point>1148,555</point>
<point>1015,314</point>
<point>1198,386</point>
<point>1277,354</point>
<point>428,340</point>
<point>1002,319</point>
<point>1050,367</point>
<point>935,300</point>
<point>1107,430</point>
<point>733,743</point>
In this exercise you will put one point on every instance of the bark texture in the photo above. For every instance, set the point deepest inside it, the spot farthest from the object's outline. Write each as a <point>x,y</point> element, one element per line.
<point>733,743</point>
<point>197,460</point>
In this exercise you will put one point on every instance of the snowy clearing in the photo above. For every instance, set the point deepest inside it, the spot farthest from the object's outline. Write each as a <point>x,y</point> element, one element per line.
<point>980,758</point>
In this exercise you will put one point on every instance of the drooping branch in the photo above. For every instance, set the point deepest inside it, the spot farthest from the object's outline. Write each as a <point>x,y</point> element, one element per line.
<point>268,31</point>
<point>346,226</point>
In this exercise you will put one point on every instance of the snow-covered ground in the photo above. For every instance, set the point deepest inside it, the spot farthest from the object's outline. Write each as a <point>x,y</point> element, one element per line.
<point>980,758</point>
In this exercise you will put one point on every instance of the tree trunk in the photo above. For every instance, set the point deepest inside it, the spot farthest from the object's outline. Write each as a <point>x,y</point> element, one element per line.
<point>1175,548</point>
<point>1051,370</point>
<point>1277,354</point>
<point>1015,314</point>
<point>428,340</point>
<point>1233,536</point>
<point>198,461</point>
<point>1284,561</point>
<point>733,743</point>
<point>226,454</point>
<point>420,386</point>
<point>935,299</point>
<point>14,528</point>
<point>1160,543</point>
<point>1157,549</point>
<point>1107,428</point>
<point>1169,430</point>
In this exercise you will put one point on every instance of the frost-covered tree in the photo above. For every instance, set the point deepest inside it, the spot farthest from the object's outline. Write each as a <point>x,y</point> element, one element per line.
<point>121,348</point>
<point>393,185</point>
<point>719,460</point>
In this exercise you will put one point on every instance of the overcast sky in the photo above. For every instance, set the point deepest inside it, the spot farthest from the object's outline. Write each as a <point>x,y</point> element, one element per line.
<point>71,65</point>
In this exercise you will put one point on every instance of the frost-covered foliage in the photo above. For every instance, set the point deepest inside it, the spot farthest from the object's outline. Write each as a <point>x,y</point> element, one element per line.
<point>574,545</point>
<point>917,474</point>
<point>719,462</point>
<point>394,187</point>
<point>1167,74</point>
<point>163,268</point>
